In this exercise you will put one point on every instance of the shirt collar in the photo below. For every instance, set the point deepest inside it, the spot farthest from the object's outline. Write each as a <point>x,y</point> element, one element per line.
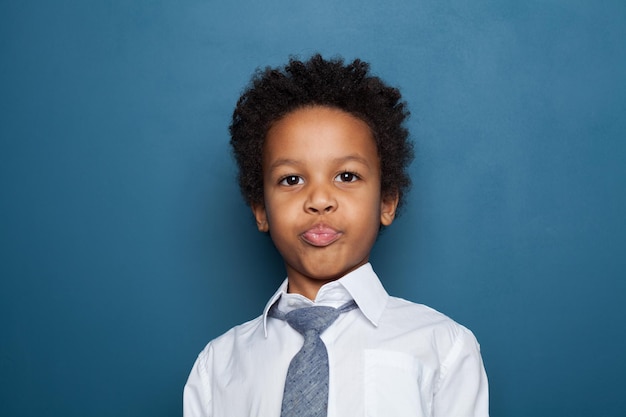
<point>361,285</point>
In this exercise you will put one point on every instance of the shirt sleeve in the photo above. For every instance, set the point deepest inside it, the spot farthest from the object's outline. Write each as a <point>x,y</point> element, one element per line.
<point>197,393</point>
<point>462,389</point>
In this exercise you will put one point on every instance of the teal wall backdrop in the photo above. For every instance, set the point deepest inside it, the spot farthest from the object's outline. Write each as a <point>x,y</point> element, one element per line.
<point>125,247</point>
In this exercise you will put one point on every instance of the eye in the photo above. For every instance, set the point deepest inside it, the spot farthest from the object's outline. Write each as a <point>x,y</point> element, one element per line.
<point>347,177</point>
<point>291,180</point>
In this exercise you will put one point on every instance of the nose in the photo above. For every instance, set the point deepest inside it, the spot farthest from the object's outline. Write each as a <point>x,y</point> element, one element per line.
<point>320,199</point>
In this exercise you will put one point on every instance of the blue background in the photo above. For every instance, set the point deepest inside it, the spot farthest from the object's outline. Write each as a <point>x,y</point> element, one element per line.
<point>125,246</point>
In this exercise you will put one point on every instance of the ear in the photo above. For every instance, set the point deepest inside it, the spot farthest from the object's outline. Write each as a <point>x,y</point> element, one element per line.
<point>388,205</point>
<point>260,214</point>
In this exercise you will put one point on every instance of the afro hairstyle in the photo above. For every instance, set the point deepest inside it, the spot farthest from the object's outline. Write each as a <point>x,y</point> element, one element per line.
<point>275,92</point>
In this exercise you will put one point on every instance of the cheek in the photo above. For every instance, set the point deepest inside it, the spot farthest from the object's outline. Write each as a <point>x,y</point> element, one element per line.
<point>366,215</point>
<point>280,214</point>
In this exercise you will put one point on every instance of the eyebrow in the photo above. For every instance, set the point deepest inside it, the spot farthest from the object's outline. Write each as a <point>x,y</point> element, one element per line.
<point>343,159</point>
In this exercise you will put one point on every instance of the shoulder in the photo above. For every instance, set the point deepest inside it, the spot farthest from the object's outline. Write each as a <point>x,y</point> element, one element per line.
<point>413,318</point>
<point>399,308</point>
<point>245,333</point>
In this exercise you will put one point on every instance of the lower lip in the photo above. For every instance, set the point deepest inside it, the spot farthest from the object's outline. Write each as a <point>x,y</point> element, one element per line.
<point>320,239</point>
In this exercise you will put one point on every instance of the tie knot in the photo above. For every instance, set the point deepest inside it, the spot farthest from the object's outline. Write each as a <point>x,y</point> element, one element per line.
<point>312,318</point>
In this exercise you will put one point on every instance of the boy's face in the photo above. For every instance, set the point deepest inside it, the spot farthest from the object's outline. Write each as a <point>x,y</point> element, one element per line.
<point>323,205</point>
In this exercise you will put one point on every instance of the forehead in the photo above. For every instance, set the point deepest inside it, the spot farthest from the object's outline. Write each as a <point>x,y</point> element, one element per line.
<point>320,133</point>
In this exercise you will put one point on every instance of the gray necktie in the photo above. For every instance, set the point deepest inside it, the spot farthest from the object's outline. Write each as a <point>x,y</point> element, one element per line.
<point>306,386</point>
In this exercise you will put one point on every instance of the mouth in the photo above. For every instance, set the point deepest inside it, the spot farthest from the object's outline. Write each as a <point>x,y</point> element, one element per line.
<point>320,235</point>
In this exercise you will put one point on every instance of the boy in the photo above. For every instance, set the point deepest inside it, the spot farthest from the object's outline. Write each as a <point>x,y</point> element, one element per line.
<point>322,155</point>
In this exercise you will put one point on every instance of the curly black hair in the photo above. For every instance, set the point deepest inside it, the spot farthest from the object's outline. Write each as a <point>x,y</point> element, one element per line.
<point>275,92</point>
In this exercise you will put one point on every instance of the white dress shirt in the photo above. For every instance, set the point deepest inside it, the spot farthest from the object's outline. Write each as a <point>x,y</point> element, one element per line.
<point>387,358</point>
